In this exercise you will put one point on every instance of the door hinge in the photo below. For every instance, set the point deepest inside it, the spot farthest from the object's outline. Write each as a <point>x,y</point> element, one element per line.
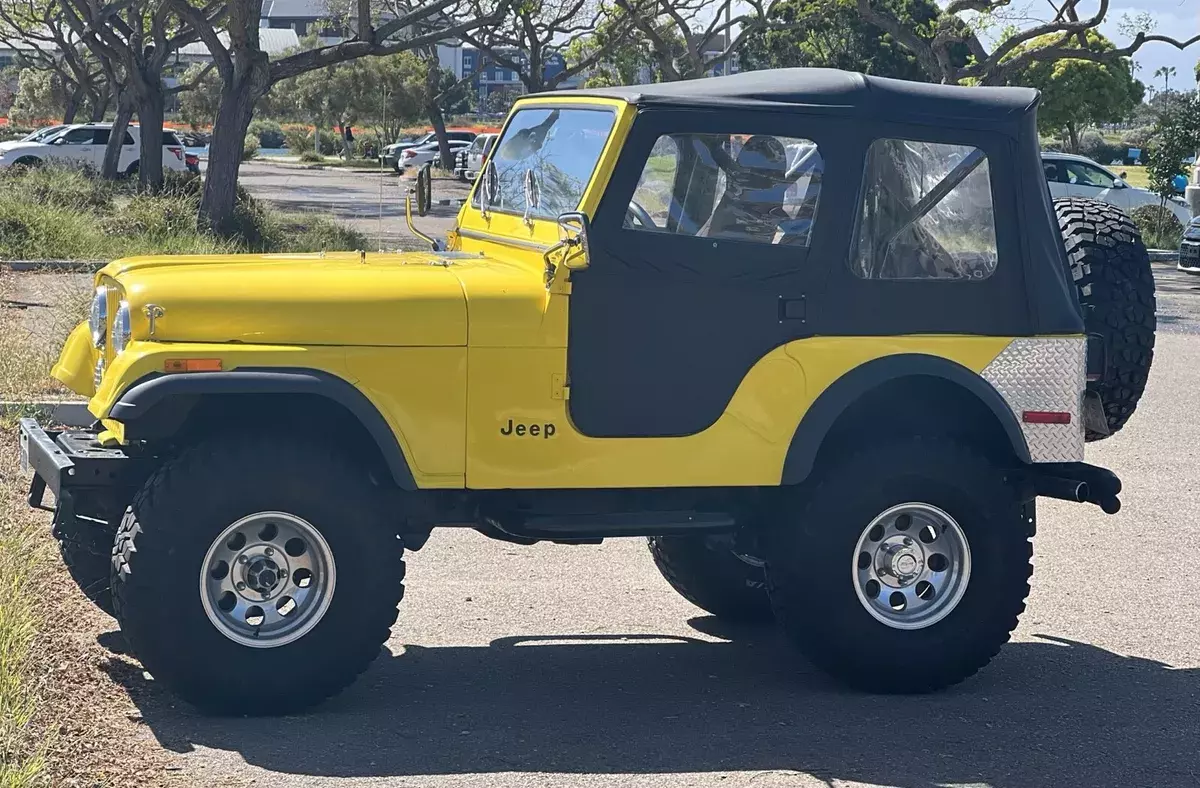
<point>559,388</point>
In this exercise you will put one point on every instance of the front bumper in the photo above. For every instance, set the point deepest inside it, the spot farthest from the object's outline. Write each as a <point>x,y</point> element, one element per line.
<point>71,462</point>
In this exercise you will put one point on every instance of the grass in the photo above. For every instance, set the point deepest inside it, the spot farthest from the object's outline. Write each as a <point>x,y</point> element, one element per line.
<point>53,213</point>
<point>23,558</point>
<point>1135,175</point>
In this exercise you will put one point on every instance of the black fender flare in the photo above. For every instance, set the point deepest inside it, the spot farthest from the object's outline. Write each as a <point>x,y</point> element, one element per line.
<point>845,391</point>
<point>148,392</point>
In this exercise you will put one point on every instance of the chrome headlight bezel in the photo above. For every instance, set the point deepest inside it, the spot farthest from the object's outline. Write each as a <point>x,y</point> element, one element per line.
<point>98,317</point>
<point>122,328</point>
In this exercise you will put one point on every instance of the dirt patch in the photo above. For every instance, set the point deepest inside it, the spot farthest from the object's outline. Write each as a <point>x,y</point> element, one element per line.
<point>37,311</point>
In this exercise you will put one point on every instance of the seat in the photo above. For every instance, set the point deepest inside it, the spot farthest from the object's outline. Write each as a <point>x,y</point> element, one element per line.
<point>752,206</point>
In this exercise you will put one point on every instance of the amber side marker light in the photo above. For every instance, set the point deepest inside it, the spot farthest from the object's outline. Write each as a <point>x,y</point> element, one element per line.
<point>192,365</point>
<point>1046,417</point>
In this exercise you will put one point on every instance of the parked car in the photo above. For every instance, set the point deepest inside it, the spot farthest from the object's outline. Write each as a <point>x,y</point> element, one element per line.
<point>469,162</point>
<point>1079,176</point>
<point>1189,248</point>
<point>84,144</point>
<point>391,153</point>
<point>423,154</point>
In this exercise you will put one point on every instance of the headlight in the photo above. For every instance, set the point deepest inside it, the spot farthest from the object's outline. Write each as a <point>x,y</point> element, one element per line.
<point>121,329</point>
<point>98,319</point>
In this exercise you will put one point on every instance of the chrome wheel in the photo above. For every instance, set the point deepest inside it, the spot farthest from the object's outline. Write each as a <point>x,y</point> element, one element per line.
<point>267,580</point>
<point>911,566</point>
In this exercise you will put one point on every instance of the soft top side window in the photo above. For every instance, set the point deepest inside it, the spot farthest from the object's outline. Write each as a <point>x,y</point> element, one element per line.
<point>759,188</point>
<point>927,213</point>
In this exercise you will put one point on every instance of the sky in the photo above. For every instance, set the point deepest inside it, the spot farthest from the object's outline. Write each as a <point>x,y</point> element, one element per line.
<point>1176,18</point>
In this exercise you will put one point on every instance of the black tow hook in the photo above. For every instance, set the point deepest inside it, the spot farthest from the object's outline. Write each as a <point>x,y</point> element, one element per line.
<point>1076,481</point>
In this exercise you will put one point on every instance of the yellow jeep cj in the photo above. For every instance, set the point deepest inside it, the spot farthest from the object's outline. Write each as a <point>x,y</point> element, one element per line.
<point>816,335</point>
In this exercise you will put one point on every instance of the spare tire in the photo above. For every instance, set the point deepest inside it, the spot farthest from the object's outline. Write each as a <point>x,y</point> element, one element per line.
<point>1111,269</point>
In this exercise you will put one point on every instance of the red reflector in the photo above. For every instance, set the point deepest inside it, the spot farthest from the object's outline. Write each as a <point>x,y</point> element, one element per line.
<point>1046,417</point>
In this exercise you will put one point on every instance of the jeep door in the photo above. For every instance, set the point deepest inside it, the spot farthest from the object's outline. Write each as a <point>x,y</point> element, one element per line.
<point>706,252</point>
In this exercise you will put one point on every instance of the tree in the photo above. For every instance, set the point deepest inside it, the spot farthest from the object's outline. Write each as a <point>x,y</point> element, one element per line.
<point>198,106</point>
<point>8,88</point>
<point>39,96</point>
<point>46,43</point>
<point>1076,92</point>
<point>969,22</point>
<point>689,38</point>
<point>538,33</point>
<point>630,57</point>
<point>1166,72</point>
<point>820,34</point>
<point>1176,137</point>
<point>137,37</point>
<point>247,74</point>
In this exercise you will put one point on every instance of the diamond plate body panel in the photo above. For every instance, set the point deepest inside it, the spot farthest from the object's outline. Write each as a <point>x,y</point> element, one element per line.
<point>1044,373</point>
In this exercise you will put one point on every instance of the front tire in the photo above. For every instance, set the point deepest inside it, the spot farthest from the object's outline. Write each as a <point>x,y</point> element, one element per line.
<point>902,568</point>
<point>227,541</point>
<point>707,572</point>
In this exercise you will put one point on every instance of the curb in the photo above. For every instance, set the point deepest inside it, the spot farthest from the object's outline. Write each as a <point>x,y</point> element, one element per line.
<point>70,414</point>
<point>75,266</point>
<point>1163,255</point>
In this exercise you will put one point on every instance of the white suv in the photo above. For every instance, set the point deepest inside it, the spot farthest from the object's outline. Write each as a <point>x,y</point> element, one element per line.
<point>1079,176</point>
<point>84,143</point>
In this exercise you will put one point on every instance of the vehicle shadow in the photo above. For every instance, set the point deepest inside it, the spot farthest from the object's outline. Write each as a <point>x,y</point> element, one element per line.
<point>1048,712</point>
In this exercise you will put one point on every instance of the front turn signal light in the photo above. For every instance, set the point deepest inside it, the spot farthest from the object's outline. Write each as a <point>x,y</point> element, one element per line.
<point>192,365</point>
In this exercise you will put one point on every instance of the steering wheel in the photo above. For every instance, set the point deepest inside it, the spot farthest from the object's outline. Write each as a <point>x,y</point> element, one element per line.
<point>640,215</point>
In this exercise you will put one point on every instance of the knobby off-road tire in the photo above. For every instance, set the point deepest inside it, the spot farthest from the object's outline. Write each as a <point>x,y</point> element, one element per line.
<point>814,564</point>
<point>1111,269</point>
<point>160,554</point>
<point>87,556</point>
<point>706,572</point>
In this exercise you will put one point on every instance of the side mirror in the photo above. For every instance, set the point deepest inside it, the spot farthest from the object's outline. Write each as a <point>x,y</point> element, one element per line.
<point>573,229</point>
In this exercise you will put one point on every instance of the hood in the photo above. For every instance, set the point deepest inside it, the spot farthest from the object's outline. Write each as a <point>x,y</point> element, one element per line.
<point>342,299</point>
<point>17,145</point>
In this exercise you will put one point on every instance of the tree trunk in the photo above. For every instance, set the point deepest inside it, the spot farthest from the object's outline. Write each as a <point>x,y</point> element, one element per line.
<point>1073,135</point>
<point>150,150</point>
<point>225,153</point>
<point>100,101</point>
<point>72,107</point>
<point>116,138</point>
<point>438,121</point>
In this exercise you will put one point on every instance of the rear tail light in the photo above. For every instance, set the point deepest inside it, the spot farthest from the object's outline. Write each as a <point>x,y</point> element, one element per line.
<point>191,159</point>
<point>178,152</point>
<point>410,154</point>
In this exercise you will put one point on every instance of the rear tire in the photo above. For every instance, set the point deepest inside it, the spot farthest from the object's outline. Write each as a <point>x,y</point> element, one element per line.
<point>195,505</point>
<point>132,170</point>
<point>1111,269</point>
<point>816,566</point>
<point>707,572</point>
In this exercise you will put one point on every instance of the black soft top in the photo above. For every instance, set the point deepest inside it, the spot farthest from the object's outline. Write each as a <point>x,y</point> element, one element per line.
<point>838,91</point>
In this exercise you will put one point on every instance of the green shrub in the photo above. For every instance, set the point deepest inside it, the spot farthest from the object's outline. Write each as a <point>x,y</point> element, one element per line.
<point>298,140</point>
<point>1158,225</point>
<point>311,157</point>
<point>61,186</point>
<point>1093,145</point>
<point>270,134</point>
<point>250,146</point>
<point>322,235</point>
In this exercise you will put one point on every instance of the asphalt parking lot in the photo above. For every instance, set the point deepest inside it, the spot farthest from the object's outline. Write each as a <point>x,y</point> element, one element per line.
<point>579,666</point>
<point>372,203</point>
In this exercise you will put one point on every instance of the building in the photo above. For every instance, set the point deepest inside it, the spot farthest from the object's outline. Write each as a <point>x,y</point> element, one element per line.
<point>273,41</point>
<point>303,17</point>
<point>463,60</point>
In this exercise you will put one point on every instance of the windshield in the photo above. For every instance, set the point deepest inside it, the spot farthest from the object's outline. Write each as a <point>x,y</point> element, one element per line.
<point>42,135</point>
<point>559,148</point>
